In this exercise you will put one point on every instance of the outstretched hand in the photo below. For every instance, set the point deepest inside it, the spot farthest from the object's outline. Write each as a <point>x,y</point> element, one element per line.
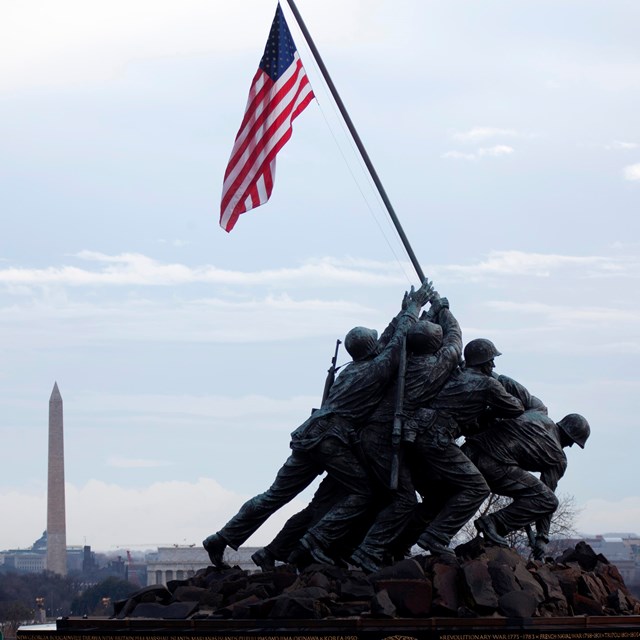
<point>422,295</point>
<point>406,299</point>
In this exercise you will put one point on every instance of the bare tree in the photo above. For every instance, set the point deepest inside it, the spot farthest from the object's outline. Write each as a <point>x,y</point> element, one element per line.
<point>562,523</point>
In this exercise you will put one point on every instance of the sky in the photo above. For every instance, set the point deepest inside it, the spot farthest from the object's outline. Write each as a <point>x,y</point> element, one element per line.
<point>507,137</point>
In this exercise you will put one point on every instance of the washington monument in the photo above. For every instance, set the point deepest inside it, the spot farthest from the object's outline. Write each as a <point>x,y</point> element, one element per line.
<point>56,522</point>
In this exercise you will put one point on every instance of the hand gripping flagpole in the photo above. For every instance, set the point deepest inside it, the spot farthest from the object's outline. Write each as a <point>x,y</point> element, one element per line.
<point>357,140</point>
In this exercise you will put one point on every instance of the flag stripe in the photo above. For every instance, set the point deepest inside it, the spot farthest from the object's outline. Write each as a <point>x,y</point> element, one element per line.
<point>258,100</point>
<point>278,94</point>
<point>275,105</point>
<point>254,160</point>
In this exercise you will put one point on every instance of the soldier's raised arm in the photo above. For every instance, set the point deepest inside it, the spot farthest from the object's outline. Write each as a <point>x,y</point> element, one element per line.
<point>502,404</point>
<point>529,401</point>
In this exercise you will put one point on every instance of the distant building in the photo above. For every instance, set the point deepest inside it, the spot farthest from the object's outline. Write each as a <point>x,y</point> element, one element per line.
<point>25,561</point>
<point>75,559</point>
<point>180,563</point>
<point>30,560</point>
<point>80,561</point>
<point>620,549</point>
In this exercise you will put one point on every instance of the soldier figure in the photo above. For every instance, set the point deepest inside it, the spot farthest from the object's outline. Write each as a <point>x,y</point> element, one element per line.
<point>324,442</point>
<point>437,460</point>
<point>286,541</point>
<point>507,453</point>
<point>434,350</point>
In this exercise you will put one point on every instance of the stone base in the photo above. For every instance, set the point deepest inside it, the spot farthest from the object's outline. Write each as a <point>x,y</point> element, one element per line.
<point>568,628</point>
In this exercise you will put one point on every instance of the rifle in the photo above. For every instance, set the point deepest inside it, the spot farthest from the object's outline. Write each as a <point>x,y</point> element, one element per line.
<point>331,373</point>
<point>396,433</point>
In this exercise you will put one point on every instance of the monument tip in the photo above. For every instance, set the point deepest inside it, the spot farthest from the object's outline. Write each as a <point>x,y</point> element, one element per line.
<point>55,394</point>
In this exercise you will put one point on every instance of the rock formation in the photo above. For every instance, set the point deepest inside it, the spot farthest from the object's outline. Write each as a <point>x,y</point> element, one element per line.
<point>481,581</point>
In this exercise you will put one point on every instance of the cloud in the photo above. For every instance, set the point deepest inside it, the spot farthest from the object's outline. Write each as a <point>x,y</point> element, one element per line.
<point>25,516</point>
<point>497,150</point>
<point>74,41</point>
<point>148,300</point>
<point>482,152</point>
<point>459,155</point>
<point>58,305</point>
<point>133,269</point>
<point>478,134</point>
<point>213,320</point>
<point>482,134</point>
<point>210,410</point>
<point>136,463</point>
<point>601,516</point>
<point>619,145</point>
<point>543,265</point>
<point>174,243</point>
<point>615,75</point>
<point>97,510</point>
<point>127,269</point>
<point>571,315</point>
<point>108,516</point>
<point>632,172</point>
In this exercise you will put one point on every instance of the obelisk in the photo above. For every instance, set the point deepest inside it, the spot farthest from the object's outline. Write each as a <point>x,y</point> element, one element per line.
<point>56,521</point>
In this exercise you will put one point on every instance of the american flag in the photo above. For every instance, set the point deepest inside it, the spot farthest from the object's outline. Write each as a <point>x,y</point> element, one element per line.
<point>280,91</point>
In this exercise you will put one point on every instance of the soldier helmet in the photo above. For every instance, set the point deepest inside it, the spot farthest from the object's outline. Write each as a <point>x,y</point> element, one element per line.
<point>479,351</point>
<point>576,427</point>
<point>361,342</point>
<point>424,337</point>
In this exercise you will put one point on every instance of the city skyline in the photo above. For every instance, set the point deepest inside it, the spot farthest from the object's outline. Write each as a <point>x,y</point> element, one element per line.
<point>506,137</point>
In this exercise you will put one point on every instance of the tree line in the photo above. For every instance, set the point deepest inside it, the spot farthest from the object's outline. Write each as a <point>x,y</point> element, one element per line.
<point>22,594</point>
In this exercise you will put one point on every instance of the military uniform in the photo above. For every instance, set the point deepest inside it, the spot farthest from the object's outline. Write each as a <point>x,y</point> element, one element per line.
<point>425,376</point>
<point>437,459</point>
<point>324,442</point>
<point>507,454</point>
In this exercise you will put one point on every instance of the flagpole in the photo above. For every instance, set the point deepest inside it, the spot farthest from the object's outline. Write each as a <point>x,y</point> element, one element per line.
<point>357,140</point>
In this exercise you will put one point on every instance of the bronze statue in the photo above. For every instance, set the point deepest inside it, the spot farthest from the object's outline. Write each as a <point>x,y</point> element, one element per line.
<point>509,450</point>
<point>434,347</point>
<point>388,428</point>
<point>436,458</point>
<point>324,442</point>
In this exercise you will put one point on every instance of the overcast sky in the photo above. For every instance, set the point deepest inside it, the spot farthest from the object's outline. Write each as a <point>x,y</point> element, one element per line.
<point>508,139</point>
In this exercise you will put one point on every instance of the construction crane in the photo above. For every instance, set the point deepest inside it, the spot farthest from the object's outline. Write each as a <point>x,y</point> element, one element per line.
<point>132,573</point>
<point>150,545</point>
<point>144,545</point>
